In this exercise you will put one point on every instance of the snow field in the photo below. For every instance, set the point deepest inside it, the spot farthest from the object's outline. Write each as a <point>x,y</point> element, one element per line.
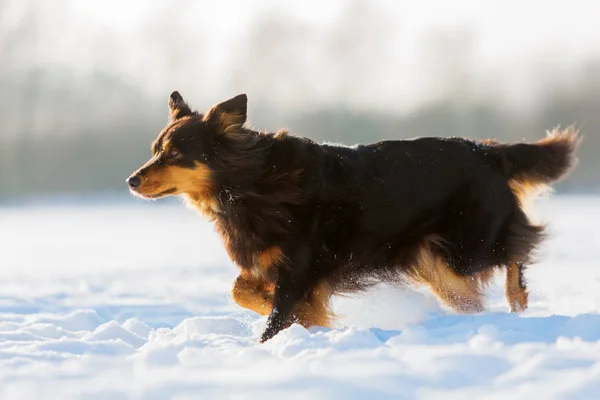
<point>132,302</point>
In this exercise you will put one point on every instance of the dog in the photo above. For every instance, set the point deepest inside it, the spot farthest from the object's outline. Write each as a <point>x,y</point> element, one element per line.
<point>304,221</point>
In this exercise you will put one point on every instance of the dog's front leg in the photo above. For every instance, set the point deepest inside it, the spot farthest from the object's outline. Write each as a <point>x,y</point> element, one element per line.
<point>293,285</point>
<point>253,293</point>
<point>289,292</point>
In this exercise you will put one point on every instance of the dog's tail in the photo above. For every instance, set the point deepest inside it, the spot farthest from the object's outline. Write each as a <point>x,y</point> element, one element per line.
<point>542,162</point>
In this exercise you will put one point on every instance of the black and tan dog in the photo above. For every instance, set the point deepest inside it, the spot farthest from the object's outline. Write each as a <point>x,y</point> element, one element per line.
<point>304,221</point>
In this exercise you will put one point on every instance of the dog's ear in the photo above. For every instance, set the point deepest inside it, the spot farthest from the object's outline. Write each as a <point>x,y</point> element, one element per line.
<point>229,113</point>
<point>178,108</point>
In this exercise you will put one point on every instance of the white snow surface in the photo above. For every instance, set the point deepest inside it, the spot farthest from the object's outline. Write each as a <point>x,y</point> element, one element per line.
<point>132,302</point>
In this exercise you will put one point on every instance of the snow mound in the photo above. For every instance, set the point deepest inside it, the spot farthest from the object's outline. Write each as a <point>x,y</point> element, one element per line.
<point>137,327</point>
<point>112,331</point>
<point>216,325</point>
<point>77,320</point>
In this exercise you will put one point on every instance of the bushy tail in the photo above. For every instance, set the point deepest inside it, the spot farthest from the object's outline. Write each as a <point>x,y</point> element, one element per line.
<point>542,162</point>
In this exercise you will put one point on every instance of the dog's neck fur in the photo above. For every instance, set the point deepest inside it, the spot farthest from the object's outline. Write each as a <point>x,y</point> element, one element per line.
<point>254,188</point>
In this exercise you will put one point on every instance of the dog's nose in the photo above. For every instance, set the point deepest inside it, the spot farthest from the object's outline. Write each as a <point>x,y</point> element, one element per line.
<point>134,181</point>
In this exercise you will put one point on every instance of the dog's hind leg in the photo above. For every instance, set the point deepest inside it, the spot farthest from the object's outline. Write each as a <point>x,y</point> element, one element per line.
<point>253,294</point>
<point>461,293</point>
<point>516,287</point>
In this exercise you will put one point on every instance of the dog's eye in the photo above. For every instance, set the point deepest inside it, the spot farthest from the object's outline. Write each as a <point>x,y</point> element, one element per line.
<point>173,153</point>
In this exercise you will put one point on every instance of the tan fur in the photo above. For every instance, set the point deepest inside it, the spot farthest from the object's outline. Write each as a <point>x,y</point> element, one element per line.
<point>516,294</point>
<point>205,205</point>
<point>158,178</point>
<point>527,192</point>
<point>267,259</point>
<point>569,134</point>
<point>281,134</point>
<point>462,293</point>
<point>253,294</point>
<point>316,310</point>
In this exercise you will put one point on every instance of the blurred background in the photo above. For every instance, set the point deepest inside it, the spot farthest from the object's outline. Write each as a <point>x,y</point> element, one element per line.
<point>84,84</point>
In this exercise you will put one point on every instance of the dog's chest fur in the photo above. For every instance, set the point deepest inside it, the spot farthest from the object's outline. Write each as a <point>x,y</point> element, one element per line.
<point>252,240</point>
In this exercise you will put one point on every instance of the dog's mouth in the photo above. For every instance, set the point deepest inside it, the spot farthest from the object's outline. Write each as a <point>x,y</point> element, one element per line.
<point>155,195</point>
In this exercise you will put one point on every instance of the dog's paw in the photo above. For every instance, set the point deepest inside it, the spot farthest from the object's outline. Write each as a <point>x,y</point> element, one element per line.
<point>518,301</point>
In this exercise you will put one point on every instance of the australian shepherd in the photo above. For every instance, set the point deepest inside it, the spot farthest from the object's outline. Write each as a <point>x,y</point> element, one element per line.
<point>304,221</point>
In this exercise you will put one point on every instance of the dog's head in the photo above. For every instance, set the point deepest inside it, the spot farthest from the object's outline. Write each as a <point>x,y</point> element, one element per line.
<point>186,153</point>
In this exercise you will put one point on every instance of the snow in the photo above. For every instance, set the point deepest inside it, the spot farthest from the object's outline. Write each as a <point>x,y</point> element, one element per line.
<point>132,301</point>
